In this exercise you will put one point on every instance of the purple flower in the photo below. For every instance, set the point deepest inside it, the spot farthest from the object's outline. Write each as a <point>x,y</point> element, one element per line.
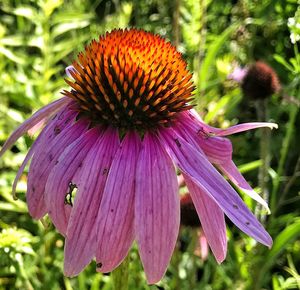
<point>238,74</point>
<point>114,139</point>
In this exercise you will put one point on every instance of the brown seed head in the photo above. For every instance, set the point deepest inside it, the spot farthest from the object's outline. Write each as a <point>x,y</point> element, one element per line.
<point>260,82</point>
<point>131,79</point>
<point>188,213</point>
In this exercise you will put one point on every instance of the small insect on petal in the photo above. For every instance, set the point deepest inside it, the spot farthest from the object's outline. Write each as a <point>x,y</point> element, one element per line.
<point>69,196</point>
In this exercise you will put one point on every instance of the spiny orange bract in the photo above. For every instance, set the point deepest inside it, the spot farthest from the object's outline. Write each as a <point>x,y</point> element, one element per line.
<point>131,79</point>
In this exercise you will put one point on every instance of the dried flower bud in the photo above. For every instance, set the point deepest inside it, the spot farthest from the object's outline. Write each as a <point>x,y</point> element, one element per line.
<point>188,212</point>
<point>260,82</point>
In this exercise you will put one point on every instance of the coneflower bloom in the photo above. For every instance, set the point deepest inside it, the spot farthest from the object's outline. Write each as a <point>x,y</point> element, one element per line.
<point>114,139</point>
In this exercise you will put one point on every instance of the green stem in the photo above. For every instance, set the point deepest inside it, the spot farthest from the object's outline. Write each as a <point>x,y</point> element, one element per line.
<point>176,24</point>
<point>192,273</point>
<point>201,51</point>
<point>283,154</point>
<point>263,176</point>
<point>120,276</point>
<point>22,272</point>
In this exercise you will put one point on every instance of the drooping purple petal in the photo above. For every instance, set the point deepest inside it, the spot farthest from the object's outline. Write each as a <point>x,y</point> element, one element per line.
<point>63,117</point>
<point>115,228</point>
<point>80,244</point>
<point>241,128</point>
<point>60,182</point>
<point>46,111</point>
<point>23,165</point>
<point>211,218</point>
<point>231,171</point>
<point>56,139</point>
<point>37,127</point>
<point>157,208</point>
<point>36,185</point>
<point>195,165</point>
<point>192,119</point>
<point>217,149</point>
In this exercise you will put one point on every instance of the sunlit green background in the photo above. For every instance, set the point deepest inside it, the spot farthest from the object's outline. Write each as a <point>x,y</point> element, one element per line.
<point>38,39</point>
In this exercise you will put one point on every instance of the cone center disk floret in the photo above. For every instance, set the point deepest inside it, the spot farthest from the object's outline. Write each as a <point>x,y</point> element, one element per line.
<point>131,79</point>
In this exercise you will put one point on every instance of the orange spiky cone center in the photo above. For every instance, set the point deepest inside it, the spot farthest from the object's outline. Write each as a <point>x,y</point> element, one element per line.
<point>131,79</point>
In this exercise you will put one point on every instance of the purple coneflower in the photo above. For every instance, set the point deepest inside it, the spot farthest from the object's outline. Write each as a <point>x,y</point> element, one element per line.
<point>114,139</point>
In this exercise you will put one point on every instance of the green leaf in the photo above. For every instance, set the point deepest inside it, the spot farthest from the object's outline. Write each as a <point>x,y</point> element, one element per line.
<point>210,58</point>
<point>290,233</point>
<point>282,61</point>
<point>26,11</point>
<point>221,104</point>
<point>250,166</point>
<point>12,56</point>
<point>12,40</point>
<point>18,240</point>
<point>71,17</point>
<point>62,28</point>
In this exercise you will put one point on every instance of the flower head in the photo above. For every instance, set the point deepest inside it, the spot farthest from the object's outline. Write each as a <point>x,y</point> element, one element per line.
<point>131,80</point>
<point>114,138</point>
<point>258,81</point>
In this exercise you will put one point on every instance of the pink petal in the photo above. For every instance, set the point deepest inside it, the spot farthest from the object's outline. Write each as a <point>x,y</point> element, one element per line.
<point>157,208</point>
<point>23,165</point>
<point>115,230</point>
<point>231,171</point>
<point>241,128</point>
<point>194,164</point>
<point>61,176</point>
<point>217,149</point>
<point>192,119</point>
<point>33,120</point>
<point>80,245</point>
<point>36,184</point>
<point>37,127</point>
<point>211,218</point>
<point>238,74</point>
<point>203,246</point>
<point>58,123</point>
<point>45,157</point>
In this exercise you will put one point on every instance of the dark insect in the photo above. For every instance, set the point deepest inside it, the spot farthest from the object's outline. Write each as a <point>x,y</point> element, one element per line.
<point>203,133</point>
<point>177,142</point>
<point>69,196</point>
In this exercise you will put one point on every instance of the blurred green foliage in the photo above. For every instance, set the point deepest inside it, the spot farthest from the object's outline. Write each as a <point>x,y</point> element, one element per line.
<point>38,39</point>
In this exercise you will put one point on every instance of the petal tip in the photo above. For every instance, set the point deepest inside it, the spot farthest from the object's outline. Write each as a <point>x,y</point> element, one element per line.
<point>267,241</point>
<point>152,279</point>
<point>68,269</point>
<point>270,243</point>
<point>69,69</point>
<point>221,259</point>
<point>70,274</point>
<point>273,126</point>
